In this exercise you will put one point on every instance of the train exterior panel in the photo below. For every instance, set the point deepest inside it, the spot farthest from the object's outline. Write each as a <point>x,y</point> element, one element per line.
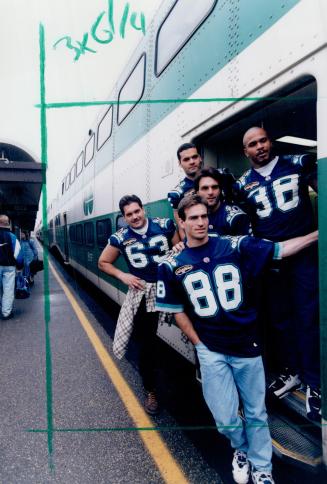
<point>204,74</point>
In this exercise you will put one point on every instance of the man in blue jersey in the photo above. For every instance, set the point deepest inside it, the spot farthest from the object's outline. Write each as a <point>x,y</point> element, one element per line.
<point>210,286</point>
<point>275,194</point>
<point>10,256</point>
<point>225,219</point>
<point>143,243</point>
<point>190,161</point>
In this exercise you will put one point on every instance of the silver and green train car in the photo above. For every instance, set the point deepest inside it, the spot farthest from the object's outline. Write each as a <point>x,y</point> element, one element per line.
<point>205,72</point>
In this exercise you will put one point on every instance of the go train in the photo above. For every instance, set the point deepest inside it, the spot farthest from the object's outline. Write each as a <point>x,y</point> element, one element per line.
<point>202,74</point>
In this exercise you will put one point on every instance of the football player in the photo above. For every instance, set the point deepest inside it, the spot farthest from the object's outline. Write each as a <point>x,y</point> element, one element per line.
<point>144,242</point>
<point>190,161</point>
<point>275,191</point>
<point>225,219</point>
<point>211,288</point>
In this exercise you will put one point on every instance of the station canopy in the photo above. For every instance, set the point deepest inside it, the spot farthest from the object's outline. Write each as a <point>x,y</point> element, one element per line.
<point>21,179</point>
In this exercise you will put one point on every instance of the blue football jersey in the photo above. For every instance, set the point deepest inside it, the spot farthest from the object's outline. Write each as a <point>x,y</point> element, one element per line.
<point>184,187</point>
<point>279,205</point>
<point>215,285</point>
<point>229,220</point>
<point>143,253</point>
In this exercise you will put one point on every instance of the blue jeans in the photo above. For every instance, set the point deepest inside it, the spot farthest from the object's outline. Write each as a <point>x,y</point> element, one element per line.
<point>7,287</point>
<point>225,379</point>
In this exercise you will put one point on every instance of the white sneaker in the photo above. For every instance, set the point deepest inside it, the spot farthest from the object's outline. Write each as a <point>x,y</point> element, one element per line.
<point>241,467</point>
<point>259,477</point>
<point>284,384</point>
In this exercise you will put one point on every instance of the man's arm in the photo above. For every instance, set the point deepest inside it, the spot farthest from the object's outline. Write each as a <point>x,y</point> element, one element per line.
<point>108,256</point>
<point>175,238</point>
<point>313,183</point>
<point>185,325</point>
<point>181,231</point>
<point>293,246</point>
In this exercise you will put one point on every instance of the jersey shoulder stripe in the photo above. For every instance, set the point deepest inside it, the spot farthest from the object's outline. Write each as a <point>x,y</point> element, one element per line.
<point>243,180</point>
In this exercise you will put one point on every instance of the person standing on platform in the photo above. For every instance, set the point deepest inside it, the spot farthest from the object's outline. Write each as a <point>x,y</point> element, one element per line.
<point>275,193</point>
<point>30,253</point>
<point>143,243</point>
<point>210,287</point>
<point>190,161</point>
<point>10,256</point>
<point>225,219</point>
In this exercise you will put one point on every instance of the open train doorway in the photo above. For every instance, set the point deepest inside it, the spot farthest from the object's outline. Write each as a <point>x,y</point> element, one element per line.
<point>290,118</point>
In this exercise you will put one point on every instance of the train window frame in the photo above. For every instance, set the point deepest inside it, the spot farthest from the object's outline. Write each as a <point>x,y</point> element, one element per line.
<point>157,71</point>
<point>79,234</point>
<point>110,110</point>
<point>102,240</point>
<point>72,233</point>
<point>120,222</point>
<point>67,181</point>
<point>86,160</point>
<point>131,107</point>
<point>89,242</point>
<point>72,171</point>
<point>79,162</point>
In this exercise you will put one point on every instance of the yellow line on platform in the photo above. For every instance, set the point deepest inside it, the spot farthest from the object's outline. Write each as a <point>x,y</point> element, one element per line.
<point>168,467</point>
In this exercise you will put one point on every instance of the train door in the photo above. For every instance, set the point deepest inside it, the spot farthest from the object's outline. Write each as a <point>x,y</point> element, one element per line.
<point>290,118</point>
<point>66,247</point>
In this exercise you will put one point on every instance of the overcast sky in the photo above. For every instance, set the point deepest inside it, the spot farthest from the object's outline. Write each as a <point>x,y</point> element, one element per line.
<point>89,78</point>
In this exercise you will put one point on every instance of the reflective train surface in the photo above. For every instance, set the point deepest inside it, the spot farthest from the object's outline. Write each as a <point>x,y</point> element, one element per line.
<point>204,75</point>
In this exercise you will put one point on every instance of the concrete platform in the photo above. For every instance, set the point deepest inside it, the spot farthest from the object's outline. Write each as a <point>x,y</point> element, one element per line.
<point>61,418</point>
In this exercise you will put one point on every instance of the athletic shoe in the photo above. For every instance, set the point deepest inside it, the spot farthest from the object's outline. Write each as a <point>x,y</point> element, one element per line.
<point>241,467</point>
<point>151,405</point>
<point>9,316</point>
<point>284,384</point>
<point>259,477</point>
<point>313,403</point>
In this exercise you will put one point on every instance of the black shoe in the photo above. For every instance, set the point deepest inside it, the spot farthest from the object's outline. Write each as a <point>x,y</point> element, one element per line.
<point>151,405</point>
<point>285,383</point>
<point>313,404</point>
<point>9,316</point>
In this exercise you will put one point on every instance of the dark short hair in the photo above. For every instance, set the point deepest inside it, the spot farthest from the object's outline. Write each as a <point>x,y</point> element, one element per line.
<point>183,147</point>
<point>127,200</point>
<point>209,171</point>
<point>187,202</point>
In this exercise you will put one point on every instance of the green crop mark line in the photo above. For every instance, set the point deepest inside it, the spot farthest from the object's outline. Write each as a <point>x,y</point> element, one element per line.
<point>46,300</point>
<point>84,104</point>
<point>171,428</point>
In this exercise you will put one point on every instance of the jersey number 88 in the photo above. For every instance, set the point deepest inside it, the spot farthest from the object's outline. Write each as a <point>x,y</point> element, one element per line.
<point>227,291</point>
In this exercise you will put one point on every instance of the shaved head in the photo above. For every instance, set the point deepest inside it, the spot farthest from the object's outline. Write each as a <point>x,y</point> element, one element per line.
<point>254,130</point>
<point>257,146</point>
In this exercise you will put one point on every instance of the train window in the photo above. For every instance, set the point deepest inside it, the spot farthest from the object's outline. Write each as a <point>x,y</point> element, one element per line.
<point>104,230</point>
<point>89,150</point>
<point>51,224</point>
<point>89,233</point>
<point>105,128</point>
<point>72,174</point>
<point>177,28</point>
<point>132,90</point>
<point>120,222</point>
<point>72,233</point>
<point>79,164</point>
<point>79,234</point>
<point>62,187</point>
<point>67,180</point>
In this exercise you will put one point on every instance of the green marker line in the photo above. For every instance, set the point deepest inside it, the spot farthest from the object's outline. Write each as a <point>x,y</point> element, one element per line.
<point>170,428</point>
<point>83,104</point>
<point>44,160</point>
